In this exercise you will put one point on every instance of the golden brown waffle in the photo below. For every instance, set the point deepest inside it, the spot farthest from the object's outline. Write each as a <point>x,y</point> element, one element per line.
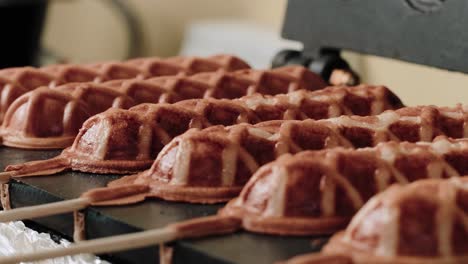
<point>226,157</point>
<point>151,67</point>
<point>318,192</point>
<point>125,141</point>
<point>60,107</point>
<point>16,81</point>
<point>50,118</point>
<point>423,222</point>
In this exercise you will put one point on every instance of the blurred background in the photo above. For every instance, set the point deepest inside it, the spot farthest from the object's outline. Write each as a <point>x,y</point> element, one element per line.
<point>86,31</point>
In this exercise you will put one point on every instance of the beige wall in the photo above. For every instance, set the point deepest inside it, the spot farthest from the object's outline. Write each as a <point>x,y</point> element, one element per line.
<point>88,30</point>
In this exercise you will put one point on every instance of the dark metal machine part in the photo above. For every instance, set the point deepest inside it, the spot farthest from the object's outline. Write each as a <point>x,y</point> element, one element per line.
<point>22,24</point>
<point>241,247</point>
<point>427,32</point>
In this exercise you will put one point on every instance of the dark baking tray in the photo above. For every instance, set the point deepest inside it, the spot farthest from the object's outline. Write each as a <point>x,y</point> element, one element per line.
<point>241,247</point>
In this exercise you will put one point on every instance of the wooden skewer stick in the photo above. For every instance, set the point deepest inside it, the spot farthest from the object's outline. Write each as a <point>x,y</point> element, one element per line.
<point>204,226</point>
<point>36,168</point>
<point>5,176</point>
<point>318,258</point>
<point>89,198</point>
<point>97,246</point>
<point>44,209</point>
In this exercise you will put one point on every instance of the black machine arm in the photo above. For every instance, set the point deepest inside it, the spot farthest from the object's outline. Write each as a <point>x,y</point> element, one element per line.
<point>427,32</point>
<point>329,64</point>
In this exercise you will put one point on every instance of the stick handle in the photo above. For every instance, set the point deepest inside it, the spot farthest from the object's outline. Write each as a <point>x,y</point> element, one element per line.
<point>210,225</point>
<point>98,246</point>
<point>89,198</point>
<point>39,167</point>
<point>44,209</point>
<point>207,226</point>
<point>319,258</point>
<point>5,177</point>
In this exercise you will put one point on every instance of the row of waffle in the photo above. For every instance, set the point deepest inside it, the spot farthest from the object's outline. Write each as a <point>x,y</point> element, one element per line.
<point>16,81</point>
<point>301,163</point>
<point>50,117</point>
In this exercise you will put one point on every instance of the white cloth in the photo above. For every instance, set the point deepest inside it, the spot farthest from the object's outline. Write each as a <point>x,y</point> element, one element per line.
<point>15,237</point>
